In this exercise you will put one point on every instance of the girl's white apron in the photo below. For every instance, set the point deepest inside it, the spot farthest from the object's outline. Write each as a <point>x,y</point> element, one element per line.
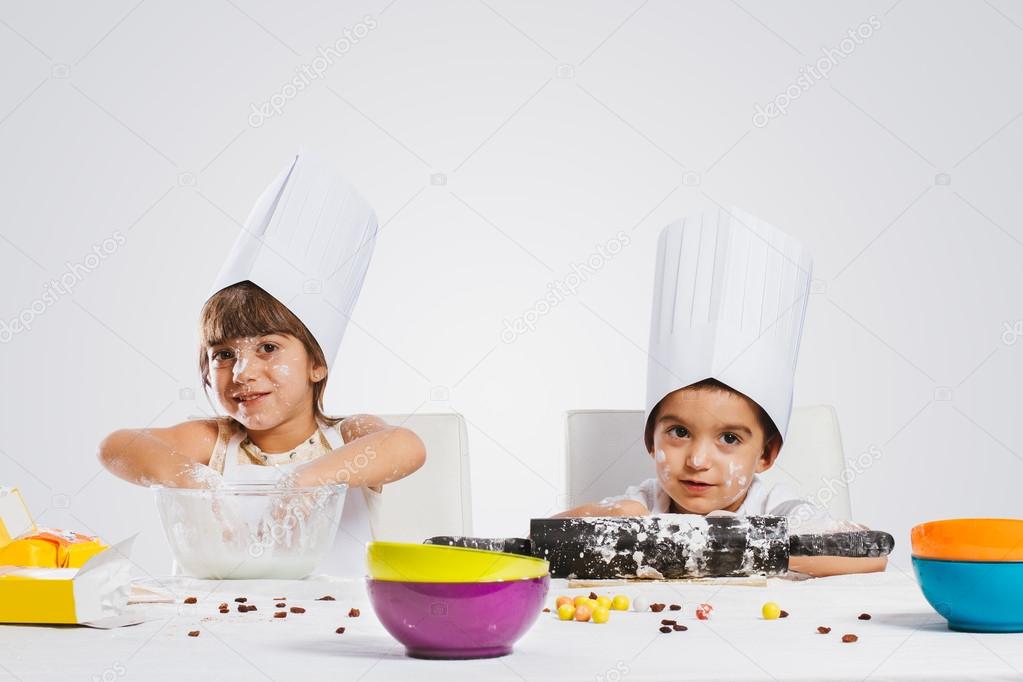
<point>347,557</point>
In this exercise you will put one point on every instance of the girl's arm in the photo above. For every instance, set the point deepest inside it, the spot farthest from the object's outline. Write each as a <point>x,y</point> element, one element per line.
<point>175,456</point>
<point>381,456</point>
<point>617,508</point>
<point>821,566</point>
<point>359,425</point>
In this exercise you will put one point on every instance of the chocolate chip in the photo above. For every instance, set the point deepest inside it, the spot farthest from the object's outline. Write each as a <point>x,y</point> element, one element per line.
<point>849,638</point>
<point>223,605</point>
<point>280,605</point>
<point>657,608</point>
<point>340,631</point>
<point>281,614</point>
<point>354,613</point>
<point>865,616</point>
<point>297,609</point>
<point>823,630</point>
<point>679,628</point>
<point>241,600</point>
<point>665,629</point>
<point>252,607</point>
<point>668,622</point>
<point>193,633</point>
<point>675,607</point>
<point>783,614</point>
<point>593,595</point>
<point>191,600</point>
<point>546,610</point>
<point>242,608</point>
<point>326,597</point>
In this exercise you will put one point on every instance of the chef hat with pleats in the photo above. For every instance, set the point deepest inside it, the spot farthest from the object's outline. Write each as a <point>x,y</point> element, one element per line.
<point>307,242</point>
<point>730,296</point>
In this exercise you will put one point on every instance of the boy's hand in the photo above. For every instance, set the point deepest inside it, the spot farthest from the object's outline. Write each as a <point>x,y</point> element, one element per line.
<point>359,425</point>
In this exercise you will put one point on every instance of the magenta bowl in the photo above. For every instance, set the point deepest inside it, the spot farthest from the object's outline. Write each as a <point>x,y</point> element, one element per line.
<point>458,620</point>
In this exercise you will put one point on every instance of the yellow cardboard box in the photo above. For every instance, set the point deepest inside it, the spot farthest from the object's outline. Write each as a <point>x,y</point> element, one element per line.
<point>90,595</point>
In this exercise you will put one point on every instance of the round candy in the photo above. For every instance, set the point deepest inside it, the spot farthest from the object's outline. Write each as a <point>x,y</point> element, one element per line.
<point>601,614</point>
<point>770,610</point>
<point>583,613</point>
<point>563,600</point>
<point>640,604</point>
<point>580,600</point>
<point>620,603</point>
<point>604,602</point>
<point>566,612</point>
<point>593,604</point>
<point>703,611</point>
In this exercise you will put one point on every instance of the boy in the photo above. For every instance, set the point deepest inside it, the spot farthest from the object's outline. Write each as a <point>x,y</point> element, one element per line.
<point>729,303</point>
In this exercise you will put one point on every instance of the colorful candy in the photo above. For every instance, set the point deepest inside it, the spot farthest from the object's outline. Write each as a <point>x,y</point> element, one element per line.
<point>562,600</point>
<point>703,611</point>
<point>640,604</point>
<point>620,603</point>
<point>583,612</point>
<point>770,610</point>
<point>604,602</point>
<point>601,614</point>
<point>566,612</point>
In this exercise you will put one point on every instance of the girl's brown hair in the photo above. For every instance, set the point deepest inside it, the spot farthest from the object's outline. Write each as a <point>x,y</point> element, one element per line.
<point>244,309</point>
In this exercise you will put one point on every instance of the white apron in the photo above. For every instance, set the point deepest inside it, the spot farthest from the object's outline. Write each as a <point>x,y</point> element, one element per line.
<point>347,557</point>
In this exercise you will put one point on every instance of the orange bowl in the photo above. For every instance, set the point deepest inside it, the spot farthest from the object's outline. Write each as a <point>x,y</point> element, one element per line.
<point>969,540</point>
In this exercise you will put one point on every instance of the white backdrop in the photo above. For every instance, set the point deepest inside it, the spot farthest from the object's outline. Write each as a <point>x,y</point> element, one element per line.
<point>503,143</point>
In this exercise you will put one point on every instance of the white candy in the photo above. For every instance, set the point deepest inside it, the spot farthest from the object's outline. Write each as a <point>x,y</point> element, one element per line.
<point>640,604</point>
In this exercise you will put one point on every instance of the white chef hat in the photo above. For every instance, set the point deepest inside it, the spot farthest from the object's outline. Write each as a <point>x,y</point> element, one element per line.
<point>730,296</point>
<point>307,242</point>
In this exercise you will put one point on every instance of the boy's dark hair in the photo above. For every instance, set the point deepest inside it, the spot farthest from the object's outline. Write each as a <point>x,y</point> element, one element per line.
<point>766,423</point>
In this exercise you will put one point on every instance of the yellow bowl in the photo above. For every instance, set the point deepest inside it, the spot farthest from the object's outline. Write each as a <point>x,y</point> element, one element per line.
<point>408,562</point>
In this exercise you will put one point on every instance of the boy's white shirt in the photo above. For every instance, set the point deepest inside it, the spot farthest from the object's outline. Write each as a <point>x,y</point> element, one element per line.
<point>762,499</point>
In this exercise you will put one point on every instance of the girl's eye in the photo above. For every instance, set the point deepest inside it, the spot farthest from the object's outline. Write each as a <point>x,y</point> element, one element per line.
<point>678,431</point>
<point>272,346</point>
<point>730,438</point>
<point>220,356</point>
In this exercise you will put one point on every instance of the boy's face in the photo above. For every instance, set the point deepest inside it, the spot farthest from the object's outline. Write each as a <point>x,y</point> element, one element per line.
<point>275,366</point>
<point>707,444</point>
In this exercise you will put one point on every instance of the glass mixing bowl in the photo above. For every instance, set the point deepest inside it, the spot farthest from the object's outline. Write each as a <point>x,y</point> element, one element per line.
<point>250,530</point>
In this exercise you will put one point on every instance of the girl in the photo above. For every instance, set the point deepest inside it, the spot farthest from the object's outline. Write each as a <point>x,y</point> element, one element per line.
<point>268,336</point>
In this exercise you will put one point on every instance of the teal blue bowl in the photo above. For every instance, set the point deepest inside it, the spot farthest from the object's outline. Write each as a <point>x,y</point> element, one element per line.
<point>974,596</point>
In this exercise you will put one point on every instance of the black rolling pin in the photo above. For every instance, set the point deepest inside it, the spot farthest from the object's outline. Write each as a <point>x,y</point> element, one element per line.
<point>675,546</point>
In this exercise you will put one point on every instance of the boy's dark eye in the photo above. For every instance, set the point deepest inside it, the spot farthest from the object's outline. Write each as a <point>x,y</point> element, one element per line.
<point>731,438</point>
<point>220,355</point>
<point>678,431</point>
<point>272,347</point>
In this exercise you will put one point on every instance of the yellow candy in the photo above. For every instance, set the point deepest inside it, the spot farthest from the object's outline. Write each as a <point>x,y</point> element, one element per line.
<point>562,600</point>
<point>600,614</point>
<point>580,600</point>
<point>604,602</point>
<point>566,612</point>
<point>620,603</point>
<point>770,610</point>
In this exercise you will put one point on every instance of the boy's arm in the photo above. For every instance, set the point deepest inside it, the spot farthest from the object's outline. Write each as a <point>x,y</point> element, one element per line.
<point>822,566</point>
<point>382,456</point>
<point>172,456</point>
<point>615,508</point>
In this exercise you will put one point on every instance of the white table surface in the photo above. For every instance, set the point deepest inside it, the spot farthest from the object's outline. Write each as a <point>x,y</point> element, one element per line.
<point>904,640</point>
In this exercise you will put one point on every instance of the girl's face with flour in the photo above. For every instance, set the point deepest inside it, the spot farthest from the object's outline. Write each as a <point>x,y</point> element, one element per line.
<point>264,381</point>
